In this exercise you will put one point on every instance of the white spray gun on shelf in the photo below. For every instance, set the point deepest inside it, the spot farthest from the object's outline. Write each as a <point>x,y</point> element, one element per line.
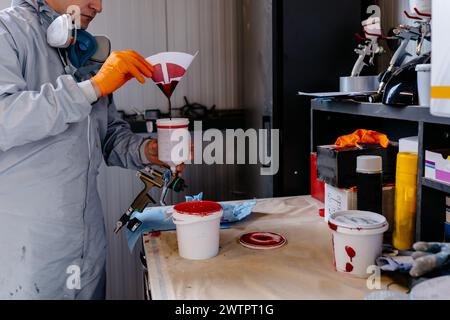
<point>371,48</point>
<point>419,32</point>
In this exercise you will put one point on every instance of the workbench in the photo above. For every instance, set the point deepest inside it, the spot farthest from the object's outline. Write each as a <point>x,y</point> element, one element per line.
<point>302,269</point>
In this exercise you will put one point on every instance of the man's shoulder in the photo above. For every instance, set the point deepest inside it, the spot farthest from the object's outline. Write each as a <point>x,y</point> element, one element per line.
<point>18,23</point>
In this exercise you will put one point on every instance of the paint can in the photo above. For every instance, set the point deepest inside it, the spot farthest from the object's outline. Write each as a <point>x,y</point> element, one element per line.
<point>198,229</point>
<point>357,238</point>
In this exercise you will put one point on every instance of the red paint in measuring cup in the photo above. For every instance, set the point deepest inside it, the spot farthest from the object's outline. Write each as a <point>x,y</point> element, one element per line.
<point>198,208</point>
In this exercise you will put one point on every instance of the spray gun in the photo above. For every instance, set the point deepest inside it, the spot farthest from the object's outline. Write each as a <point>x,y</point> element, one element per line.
<point>371,48</point>
<point>419,32</point>
<point>151,178</point>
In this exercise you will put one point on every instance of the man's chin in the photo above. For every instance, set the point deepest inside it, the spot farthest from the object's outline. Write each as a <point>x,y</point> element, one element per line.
<point>85,23</point>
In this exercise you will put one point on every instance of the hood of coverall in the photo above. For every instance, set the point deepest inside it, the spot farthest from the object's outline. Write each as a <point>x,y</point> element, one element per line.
<point>21,2</point>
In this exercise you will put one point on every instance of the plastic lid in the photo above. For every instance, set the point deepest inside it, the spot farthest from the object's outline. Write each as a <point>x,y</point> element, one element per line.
<point>423,67</point>
<point>172,122</point>
<point>198,208</point>
<point>369,164</point>
<point>360,220</point>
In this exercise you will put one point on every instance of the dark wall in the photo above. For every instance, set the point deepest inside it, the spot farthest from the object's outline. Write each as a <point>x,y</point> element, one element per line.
<point>313,46</point>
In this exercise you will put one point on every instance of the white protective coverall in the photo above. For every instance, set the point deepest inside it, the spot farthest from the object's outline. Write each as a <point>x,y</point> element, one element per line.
<point>52,142</point>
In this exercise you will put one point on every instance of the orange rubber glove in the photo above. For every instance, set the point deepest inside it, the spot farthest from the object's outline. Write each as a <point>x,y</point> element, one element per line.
<point>119,68</point>
<point>363,136</point>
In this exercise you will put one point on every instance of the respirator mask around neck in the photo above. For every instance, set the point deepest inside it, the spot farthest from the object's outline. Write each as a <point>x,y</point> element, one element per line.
<point>79,46</point>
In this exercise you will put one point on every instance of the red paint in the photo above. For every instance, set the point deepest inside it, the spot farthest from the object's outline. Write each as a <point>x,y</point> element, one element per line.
<point>348,267</point>
<point>168,88</point>
<point>317,187</point>
<point>350,252</point>
<point>322,213</point>
<point>332,226</point>
<point>198,208</point>
<point>175,71</point>
<point>155,234</point>
<point>158,75</point>
<point>173,127</point>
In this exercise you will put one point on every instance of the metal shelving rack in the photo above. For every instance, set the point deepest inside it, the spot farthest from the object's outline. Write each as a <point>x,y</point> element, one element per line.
<point>330,119</point>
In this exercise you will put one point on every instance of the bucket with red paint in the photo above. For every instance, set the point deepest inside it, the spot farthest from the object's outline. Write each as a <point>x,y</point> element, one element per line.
<point>357,241</point>
<point>198,229</point>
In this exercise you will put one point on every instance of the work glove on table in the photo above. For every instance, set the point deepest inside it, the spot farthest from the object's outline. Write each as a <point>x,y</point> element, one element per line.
<point>429,257</point>
<point>119,68</point>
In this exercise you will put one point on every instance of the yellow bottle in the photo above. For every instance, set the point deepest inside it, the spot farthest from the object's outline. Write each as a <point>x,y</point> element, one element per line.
<point>405,201</point>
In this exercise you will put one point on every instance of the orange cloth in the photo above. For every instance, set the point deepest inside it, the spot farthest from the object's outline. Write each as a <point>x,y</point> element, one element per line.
<point>363,136</point>
<point>121,67</point>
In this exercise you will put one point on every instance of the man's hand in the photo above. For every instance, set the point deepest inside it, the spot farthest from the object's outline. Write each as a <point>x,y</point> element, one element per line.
<point>429,257</point>
<point>151,152</point>
<point>119,68</point>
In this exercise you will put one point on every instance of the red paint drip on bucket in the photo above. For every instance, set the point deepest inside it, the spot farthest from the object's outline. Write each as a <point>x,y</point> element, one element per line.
<point>348,267</point>
<point>198,208</point>
<point>332,226</point>
<point>350,252</point>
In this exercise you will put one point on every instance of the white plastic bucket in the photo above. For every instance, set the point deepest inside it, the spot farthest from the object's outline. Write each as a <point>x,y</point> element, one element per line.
<point>357,241</point>
<point>174,141</point>
<point>198,229</point>
<point>424,84</point>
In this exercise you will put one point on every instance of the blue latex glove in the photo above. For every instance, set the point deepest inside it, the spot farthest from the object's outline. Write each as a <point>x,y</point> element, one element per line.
<point>393,264</point>
<point>156,218</point>
<point>198,197</point>
<point>153,219</point>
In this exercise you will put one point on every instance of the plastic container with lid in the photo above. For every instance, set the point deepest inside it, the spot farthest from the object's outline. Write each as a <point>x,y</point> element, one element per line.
<point>424,84</point>
<point>369,172</point>
<point>405,200</point>
<point>198,229</point>
<point>174,141</point>
<point>357,240</point>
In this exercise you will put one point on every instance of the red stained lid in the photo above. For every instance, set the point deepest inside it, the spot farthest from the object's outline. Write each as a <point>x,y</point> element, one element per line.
<point>262,240</point>
<point>198,208</point>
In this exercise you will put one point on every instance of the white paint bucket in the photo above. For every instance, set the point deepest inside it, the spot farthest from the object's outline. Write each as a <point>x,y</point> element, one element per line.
<point>198,229</point>
<point>174,141</point>
<point>357,241</point>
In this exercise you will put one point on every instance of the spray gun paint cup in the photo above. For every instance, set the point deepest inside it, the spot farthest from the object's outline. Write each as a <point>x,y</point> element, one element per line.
<point>198,229</point>
<point>174,141</point>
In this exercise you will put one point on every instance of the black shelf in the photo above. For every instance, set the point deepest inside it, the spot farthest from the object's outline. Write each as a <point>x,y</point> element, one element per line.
<point>378,110</point>
<point>440,186</point>
<point>332,118</point>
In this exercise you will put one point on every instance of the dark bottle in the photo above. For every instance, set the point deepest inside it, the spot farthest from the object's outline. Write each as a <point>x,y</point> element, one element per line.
<point>370,183</point>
